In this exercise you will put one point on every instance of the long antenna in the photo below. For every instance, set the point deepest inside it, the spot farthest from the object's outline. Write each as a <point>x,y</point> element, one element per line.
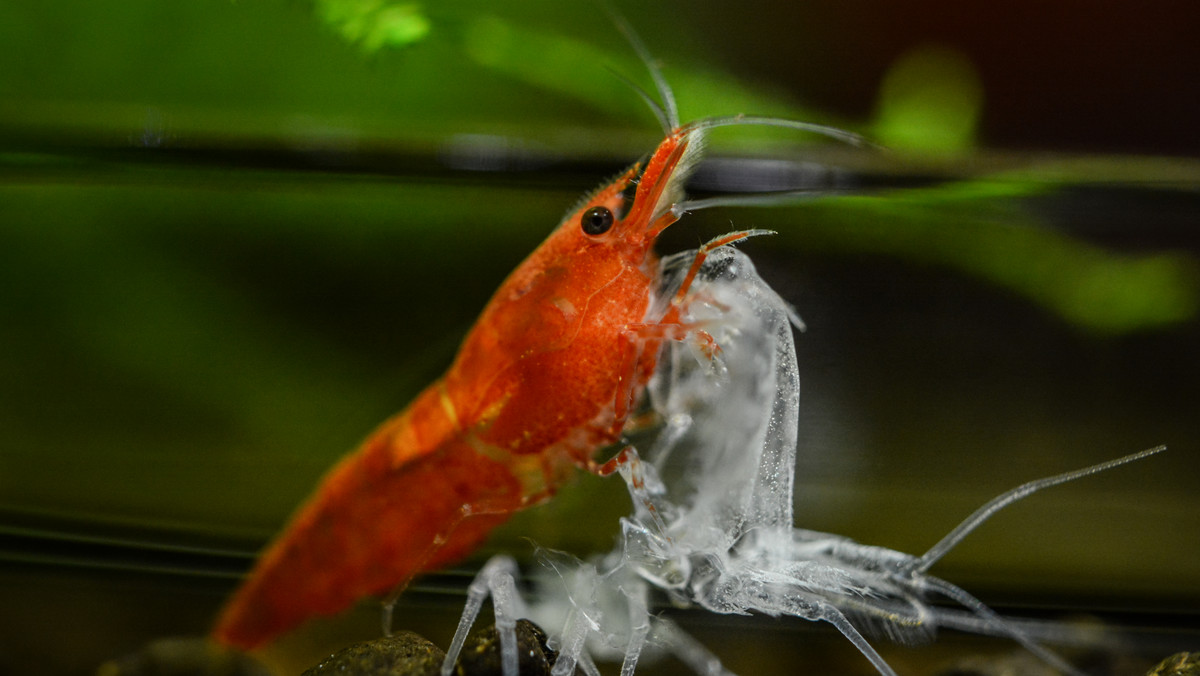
<point>1000,502</point>
<point>652,65</point>
<point>655,107</point>
<point>842,135</point>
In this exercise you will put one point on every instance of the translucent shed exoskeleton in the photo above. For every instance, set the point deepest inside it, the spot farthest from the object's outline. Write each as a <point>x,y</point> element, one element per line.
<point>712,524</point>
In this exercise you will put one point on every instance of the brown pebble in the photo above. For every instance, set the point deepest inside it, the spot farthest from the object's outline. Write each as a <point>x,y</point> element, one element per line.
<point>1179,664</point>
<point>402,654</point>
<point>481,653</point>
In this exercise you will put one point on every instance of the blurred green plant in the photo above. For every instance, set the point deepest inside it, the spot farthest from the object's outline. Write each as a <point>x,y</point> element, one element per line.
<point>985,229</point>
<point>930,102</point>
<point>374,24</point>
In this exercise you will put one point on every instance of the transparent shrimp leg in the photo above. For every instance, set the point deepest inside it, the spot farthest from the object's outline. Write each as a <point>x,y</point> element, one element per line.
<point>583,620</point>
<point>992,623</point>
<point>497,578</point>
<point>837,618</point>
<point>639,624</point>
<point>641,545</point>
<point>574,636</point>
<point>645,487</point>
<point>689,651</point>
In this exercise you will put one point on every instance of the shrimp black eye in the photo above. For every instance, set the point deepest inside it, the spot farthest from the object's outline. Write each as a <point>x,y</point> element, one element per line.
<point>597,220</point>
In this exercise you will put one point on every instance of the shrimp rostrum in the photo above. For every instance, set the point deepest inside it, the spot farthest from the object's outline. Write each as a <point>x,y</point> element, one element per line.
<point>712,522</point>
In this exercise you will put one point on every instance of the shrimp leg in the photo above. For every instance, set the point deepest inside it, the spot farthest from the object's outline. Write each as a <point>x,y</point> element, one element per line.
<point>497,578</point>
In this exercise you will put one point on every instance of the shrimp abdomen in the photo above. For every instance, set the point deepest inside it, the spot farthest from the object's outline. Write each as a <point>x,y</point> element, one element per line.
<point>383,514</point>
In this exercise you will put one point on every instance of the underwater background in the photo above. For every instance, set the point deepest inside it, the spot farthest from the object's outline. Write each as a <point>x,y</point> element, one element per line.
<point>235,236</point>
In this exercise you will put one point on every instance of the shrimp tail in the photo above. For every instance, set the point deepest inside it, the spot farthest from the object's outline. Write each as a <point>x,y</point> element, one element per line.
<point>374,523</point>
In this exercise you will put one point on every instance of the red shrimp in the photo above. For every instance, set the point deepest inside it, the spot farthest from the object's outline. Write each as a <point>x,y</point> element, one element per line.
<point>544,380</point>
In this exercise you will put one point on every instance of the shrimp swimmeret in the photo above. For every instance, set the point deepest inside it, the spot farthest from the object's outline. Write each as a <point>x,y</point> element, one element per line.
<point>712,521</point>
